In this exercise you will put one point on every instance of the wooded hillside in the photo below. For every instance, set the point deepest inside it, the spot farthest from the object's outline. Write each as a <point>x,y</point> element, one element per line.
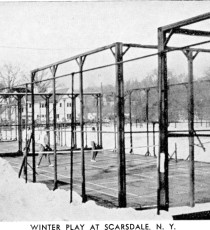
<point>177,98</point>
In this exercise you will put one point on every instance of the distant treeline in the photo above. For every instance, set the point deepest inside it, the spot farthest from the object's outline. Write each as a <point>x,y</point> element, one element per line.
<point>177,104</point>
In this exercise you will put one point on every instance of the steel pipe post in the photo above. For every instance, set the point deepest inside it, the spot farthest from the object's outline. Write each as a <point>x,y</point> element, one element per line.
<point>19,124</point>
<point>6,119</point>
<point>176,159</point>
<point>86,137</point>
<point>115,132</point>
<point>97,118</point>
<point>75,121</point>
<point>100,122</point>
<point>64,105</point>
<point>72,138</point>
<point>53,70</point>
<point>48,118</point>
<point>16,122</point>
<point>26,137</point>
<point>33,126</point>
<point>81,63</point>
<point>72,112</point>
<point>130,121</point>
<point>147,121</point>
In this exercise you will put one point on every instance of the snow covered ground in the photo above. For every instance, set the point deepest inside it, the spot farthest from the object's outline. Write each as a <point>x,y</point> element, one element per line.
<point>35,202</point>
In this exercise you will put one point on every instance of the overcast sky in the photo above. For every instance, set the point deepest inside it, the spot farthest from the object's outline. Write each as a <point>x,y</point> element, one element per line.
<point>35,34</point>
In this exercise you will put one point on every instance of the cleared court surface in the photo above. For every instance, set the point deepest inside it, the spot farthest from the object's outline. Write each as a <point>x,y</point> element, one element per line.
<point>102,178</point>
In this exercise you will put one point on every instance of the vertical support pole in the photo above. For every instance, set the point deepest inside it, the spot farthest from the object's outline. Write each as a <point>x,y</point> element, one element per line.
<point>120,126</point>
<point>191,128</point>
<point>61,134</point>
<point>176,152</point>
<point>48,117</point>
<point>26,137</point>
<point>81,63</point>
<point>53,70</point>
<point>6,119</point>
<point>33,126</point>
<point>72,138</point>
<point>147,121</point>
<point>75,121</point>
<point>72,113</point>
<point>84,120</point>
<point>1,133</point>
<point>64,111</point>
<point>9,119</point>
<point>100,122</point>
<point>153,130</point>
<point>130,120</point>
<point>40,113</point>
<point>86,136</point>
<point>1,128</point>
<point>19,124</point>
<point>163,187</point>
<point>190,94</point>
<point>74,116</point>
<point>16,125</point>
<point>11,125</point>
<point>115,134</point>
<point>97,118</point>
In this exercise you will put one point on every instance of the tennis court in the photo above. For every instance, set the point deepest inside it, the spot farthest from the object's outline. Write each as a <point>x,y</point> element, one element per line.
<point>141,178</point>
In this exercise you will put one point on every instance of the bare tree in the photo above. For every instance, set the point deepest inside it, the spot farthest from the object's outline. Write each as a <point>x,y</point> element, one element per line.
<point>10,77</point>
